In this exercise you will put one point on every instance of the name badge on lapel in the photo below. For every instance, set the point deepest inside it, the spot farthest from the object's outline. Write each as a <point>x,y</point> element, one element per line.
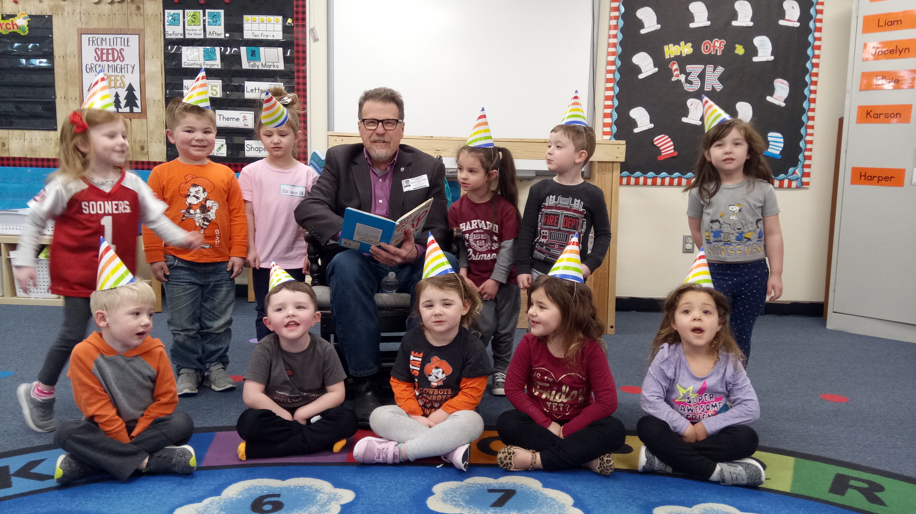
<point>410,184</point>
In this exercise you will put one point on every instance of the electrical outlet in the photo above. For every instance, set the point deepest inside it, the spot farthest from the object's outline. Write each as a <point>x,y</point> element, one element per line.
<point>687,245</point>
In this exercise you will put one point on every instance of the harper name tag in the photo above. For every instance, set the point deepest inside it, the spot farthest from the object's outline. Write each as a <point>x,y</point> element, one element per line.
<point>410,184</point>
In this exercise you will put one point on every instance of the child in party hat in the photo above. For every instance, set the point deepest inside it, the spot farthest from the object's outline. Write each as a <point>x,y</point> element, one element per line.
<point>90,196</point>
<point>488,219</point>
<point>123,384</point>
<point>438,378</point>
<point>564,419</point>
<point>558,208</point>
<point>731,189</point>
<point>272,188</point>
<point>204,197</point>
<point>294,385</point>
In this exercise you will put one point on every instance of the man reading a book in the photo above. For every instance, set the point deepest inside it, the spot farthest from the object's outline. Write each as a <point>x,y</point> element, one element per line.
<point>385,178</point>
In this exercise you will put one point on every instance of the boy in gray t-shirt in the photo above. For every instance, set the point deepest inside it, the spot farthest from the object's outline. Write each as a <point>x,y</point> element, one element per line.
<point>294,383</point>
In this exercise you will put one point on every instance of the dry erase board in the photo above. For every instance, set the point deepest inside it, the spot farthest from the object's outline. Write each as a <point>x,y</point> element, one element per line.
<point>27,98</point>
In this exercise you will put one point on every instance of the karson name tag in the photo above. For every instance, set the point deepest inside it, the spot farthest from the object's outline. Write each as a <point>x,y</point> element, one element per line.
<point>288,190</point>
<point>410,184</point>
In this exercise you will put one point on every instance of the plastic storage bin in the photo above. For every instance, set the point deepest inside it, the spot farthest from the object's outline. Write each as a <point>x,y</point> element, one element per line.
<point>43,289</point>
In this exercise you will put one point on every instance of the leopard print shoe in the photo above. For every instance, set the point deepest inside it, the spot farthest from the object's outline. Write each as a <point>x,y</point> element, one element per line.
<point>605,465</point>
<point>506,458</point>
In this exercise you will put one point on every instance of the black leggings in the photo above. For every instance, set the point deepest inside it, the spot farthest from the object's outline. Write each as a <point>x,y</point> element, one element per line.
<point>269,435</point>
<point>77,316</point>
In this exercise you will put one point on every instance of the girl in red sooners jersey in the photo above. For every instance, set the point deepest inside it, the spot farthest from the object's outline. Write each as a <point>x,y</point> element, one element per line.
<point>91,196</point>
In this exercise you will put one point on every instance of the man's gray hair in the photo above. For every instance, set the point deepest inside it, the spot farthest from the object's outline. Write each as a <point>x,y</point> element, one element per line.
<point>383,95</point>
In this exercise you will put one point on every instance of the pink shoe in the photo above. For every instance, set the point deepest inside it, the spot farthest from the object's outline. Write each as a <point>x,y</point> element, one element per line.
<point>375,450</point>
<point>459,457</point>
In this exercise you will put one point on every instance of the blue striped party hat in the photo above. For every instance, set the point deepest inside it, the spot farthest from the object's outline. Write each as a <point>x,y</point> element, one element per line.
<point>480,134</point>
<point>436,263</point>
<point>99,97</point>
<point>575,113</point>
<point>112,272</point>
<point>273,114</point>
<point>713,114</point>
<point>199,94</point>
<point>569,265</point>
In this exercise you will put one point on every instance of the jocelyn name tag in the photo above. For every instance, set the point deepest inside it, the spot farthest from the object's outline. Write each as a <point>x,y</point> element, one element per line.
<point>410,184</point>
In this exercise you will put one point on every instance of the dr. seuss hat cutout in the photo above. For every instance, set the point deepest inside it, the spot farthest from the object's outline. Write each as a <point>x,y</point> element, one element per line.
<point>278,275</point>
<point>98,96</point>
<point>569,266</point>
<point>112,272</point>
<point>480,135</point>
<point>575,114</point>
<point>199,94</point>
<point>273,114</point>
<point>699,272</point>
<point>436,263</point>
<point>713,114</point>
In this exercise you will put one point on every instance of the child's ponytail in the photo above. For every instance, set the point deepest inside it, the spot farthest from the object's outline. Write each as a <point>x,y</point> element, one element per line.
<point>74,135</point>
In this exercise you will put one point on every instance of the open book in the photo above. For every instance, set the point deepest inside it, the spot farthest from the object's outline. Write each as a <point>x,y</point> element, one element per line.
<point>362,230</point>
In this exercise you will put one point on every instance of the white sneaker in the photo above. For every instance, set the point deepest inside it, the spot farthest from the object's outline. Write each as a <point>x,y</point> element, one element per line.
<point>747,472</point>
<point>459,457</point>
<point>649,463</point>
<point>187,382</point>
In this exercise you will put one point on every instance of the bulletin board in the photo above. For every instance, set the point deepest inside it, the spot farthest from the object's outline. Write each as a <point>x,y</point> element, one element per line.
<point>27,92</point>
<point>758,60</point>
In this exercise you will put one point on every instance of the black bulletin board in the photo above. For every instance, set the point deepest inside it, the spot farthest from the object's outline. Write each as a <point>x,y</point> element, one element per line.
<point>27,95</point>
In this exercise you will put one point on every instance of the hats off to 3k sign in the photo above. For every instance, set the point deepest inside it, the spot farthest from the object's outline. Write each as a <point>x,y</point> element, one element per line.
<point>112,272</point>
<point>436,263</point>
<point>569,264</point>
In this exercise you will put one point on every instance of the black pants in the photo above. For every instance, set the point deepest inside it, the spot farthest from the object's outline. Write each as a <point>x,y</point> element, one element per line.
<point>77,316</point>
<point>85,441</point>
<point>596,439</point>
<point>261,282</point>
<point>269,435</point>
<point>698,459</point>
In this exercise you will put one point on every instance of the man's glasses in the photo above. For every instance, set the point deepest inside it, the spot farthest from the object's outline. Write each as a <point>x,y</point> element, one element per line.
<point>372,124</point>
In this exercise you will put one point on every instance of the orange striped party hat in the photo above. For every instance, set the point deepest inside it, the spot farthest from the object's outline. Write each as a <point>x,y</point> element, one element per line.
<point>112,272</point>
<point>699,272</point>
<point>575,113</point>
<point>435,263</point>
<point>273,114</point>
<point>569,265</point>
<point>99,97</point>
<point>480,134</point>
<point>199,94</point>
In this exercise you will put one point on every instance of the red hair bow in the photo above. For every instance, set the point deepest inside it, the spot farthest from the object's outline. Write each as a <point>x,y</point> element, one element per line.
<point>79,126</point>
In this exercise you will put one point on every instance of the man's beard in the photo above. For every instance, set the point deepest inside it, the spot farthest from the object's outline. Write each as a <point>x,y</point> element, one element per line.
<point>380,155</point>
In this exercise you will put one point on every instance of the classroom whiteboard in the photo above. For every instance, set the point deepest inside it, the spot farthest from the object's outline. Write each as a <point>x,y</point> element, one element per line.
<point>520,59</point>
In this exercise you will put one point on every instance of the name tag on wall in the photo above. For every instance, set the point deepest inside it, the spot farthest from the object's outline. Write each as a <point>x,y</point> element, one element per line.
<point>410,184</point>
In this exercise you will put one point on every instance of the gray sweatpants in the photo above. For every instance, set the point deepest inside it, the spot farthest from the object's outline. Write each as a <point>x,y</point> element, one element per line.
<point>392,423</point>
<point>498,319</point>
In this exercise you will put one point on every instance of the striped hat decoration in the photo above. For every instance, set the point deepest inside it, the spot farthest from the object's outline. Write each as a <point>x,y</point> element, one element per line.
<point>480,134</point>
<point>569,265</point>
<point>713,114</point>
<point>199,93</point>
<point>435,263</point>
<point>699,272</point>
<point>273,114</point>
<point>278,275</point>
<point>575,114</point>
<point>99,97</point>
<point>112,271</point>
<point>774,148</point>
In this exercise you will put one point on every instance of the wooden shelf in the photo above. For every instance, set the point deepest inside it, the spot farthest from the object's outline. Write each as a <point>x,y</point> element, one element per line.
<point>37,302</point>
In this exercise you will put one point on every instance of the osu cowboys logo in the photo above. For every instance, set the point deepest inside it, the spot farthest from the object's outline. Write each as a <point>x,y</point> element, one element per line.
<point>436,371</point>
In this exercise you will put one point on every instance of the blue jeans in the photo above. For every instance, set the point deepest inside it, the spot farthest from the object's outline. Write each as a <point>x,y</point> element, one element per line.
<point>200,297</point>
<point>745,285</point>
<point>354,278</point>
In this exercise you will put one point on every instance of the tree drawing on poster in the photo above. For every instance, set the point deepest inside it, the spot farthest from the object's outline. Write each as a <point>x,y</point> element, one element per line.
<point>756,59</point>
<point>130,99</point>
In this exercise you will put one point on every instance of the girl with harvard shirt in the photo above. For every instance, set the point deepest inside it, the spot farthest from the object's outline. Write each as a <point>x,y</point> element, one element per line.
<point>91,196</point>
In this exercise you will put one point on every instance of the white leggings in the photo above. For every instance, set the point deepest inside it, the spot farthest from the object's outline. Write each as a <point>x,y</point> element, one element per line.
<point>392,423</point>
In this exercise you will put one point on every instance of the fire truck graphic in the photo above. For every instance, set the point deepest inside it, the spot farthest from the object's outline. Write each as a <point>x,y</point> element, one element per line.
<point>560,218</point>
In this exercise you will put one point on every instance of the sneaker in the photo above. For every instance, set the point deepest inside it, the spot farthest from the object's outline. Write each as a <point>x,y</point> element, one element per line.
<point>217,378</point>
<point>459,457</point>
<point>69,469</point>
<point>649,463</point>
<point>174,460</point>
<point>747,472</point>
<point>375,450</point>
<point>499,384</point>
<point>188,380</point>
<point>39,414</point>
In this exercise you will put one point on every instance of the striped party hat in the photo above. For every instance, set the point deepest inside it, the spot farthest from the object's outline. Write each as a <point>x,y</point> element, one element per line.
<point>713,114</point>
<point>480,134</point>
<point>278,275</point>
<point>99,97</point>
<point>575,114</point>
<point>436,263</point>
<point>273,114</point>
<point>699,272</point>
<point>112,272</point>
<point>199,94</point>
<point>568,266</point>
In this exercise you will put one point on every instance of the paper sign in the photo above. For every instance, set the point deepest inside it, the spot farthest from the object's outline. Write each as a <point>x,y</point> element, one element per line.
<point>888,21</point>
<point>234,119</point>
<point>118,55</point>
<point>882,80</point>
<point>258,58</point>
<point>259,26</point>
<point>219,149</point>
<point>254,89</point>
<point>254,148</point>
<point>194,24</point>
<point>884,113</point>
<point>215,26</point>
<point>889,177</point>
<point>174,24</point>
<point>200,57</point>
<point>215,86</point>
<point>896,49</point>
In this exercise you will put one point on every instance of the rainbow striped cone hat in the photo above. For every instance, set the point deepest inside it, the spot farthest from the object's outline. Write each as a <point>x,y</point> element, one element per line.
<point>713,114</point>
<point>99,97</point>
<point>112,272</point>
<point>199,94</point>
<point>480,134</point>
<point>278,275</point>
<point>273,114</point>
<point>569,265</point>
<point>436,263</point>
<point>575,114</point>
<point>699,272</point>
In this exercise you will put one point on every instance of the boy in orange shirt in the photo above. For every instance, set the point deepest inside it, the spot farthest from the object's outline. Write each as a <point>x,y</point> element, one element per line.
<point>199,285</point>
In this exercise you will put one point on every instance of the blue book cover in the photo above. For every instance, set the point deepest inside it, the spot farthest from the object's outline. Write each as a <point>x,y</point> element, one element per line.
<point>362,230</point>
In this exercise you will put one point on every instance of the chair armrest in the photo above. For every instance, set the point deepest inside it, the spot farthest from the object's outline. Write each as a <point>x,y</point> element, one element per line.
<point>316,267</point>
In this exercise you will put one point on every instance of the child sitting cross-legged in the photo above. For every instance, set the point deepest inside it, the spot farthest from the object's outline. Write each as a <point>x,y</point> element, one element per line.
<point>294,384</point>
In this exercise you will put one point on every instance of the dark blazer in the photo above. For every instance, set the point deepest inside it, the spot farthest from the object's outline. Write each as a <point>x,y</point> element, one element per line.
<point>345,182</point>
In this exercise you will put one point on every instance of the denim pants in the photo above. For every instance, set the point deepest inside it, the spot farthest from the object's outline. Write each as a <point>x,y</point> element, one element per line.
<point>354,278</point>
<point>261,282</point>
<point>199,297</point>
<point>498,319</point>
<point>745,285</point>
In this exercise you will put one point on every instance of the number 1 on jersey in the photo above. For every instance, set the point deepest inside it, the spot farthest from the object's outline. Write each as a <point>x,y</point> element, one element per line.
<point>106,222</point>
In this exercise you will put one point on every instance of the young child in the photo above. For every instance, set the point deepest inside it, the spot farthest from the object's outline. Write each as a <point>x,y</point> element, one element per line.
<point>564,420</point>
<point>438,378</point>
<point>731,191</point>
<point>488,218</point>
<point>90,196</point>
<point>123,385</point>
<point>294,384</point>
<point>271,189</point>
<point>697,395</point>
<point>200,287</point>
<point>567,205</point>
